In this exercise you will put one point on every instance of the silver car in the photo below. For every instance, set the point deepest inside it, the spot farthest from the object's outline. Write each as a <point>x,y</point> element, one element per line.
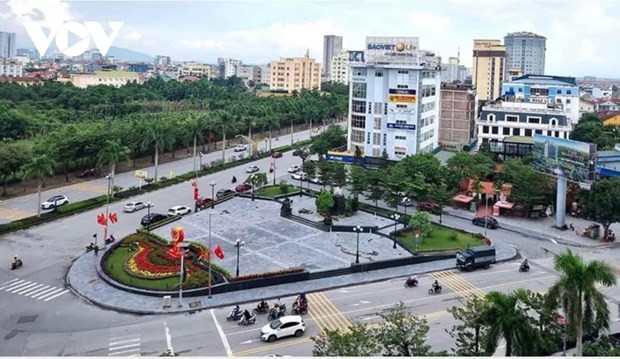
<point>133,206</point>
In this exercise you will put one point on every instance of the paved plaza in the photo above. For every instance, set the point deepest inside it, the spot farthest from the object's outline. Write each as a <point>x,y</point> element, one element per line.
<point>273,243</point>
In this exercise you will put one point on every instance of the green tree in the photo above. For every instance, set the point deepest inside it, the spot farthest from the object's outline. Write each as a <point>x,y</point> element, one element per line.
<point>471,329</point>
<point>226,122</point>
<point>310,168</point>
<point>256,180</point>
<point>401,334</point>
<point>156,137</point>
<point>358,341</point>
<point>521,176</point>
<point>40,167</point>
<point>577,294</point>
<point>333,137</point>
<point>442,195</point>
<point>375,187</point>
<point>326,172</point>
<point>112,154</point>
<point>324,203</point>
<point>593,132</point>
<point>545,321</point>
<point>602,201</point>
<point>12,159</point>
<point>421,222</point>
<point>193,127</point>
<point>339,175</point>
<point>357,179</point>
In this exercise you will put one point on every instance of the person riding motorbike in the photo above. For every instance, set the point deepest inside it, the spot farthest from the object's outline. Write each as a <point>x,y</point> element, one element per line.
<point>15,262</point>
<point>246,315</point>
<point>525,264</point>
<point>301,302</point>
<point>263,304</point>
<point>435,285</point>
<point>236,310</point>
<point>412,279</point>
<point>234,179</point>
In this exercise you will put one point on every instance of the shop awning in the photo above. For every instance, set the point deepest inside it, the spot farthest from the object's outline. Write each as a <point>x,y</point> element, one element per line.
<point>463,198</point>
<point>504,204</point>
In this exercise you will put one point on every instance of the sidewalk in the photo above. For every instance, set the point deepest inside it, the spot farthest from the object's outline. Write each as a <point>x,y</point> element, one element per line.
<point>84,281</point>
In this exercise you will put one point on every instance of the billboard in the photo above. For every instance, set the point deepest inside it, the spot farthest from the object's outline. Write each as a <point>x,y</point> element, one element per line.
<point>403,98</point>
<point>401,126</point>
<point>561,157</point>
<point>382,46</point>
<point>356,56</point>
<point>402,91</point>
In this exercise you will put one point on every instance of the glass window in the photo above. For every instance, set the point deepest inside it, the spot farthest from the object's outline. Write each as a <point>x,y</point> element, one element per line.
<point>377,125</point>
<point>357,136</point>
<point>359,90</point>
<point>358,106</point>
<point>358,121</point>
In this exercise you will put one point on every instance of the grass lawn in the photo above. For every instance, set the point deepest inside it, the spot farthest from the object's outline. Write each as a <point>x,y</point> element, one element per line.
<point>441,238</point>
<point>114,265</point>
<point>272,191</point>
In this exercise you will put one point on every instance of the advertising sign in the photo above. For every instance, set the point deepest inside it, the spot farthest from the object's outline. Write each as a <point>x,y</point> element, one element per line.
<point>356,56</point>
<point>401,126</point>
<point>560,157</point>
<point>381,46</point>
<point>402,92</point>
<point>403,98</point>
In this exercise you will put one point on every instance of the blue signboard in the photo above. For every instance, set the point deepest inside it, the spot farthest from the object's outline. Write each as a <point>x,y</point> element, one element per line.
<point>340,158</point>
<point>402,92</point>
<point>356,56</point>
<point>401,126</point>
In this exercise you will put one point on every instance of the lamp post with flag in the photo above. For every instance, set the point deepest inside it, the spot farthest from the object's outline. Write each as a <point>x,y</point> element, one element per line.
<point>183,273</point>
<point>238,245</point>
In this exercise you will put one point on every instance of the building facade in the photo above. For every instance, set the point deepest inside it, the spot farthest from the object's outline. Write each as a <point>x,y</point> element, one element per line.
<point>585,105</point>
<point>265,74</point>
<point>488,68</point>
<point>450,71</point>
<point>163,61</point>
<point>195,69</point>
<point>295,74</point>
<point>546,89</point>
<point>525,51</point>
<point>229,67</point>
<point>457,116</point>
<point>8,46</point>
<point>332,47</point>
<point>394,100</point>
<point>340,68</point>
<point>109,78</point>
<point>11,69</point>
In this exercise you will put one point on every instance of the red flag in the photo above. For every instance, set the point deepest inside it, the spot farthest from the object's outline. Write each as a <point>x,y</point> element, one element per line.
<point>113,217</point>
<point>196,193</point>
<point>101,219</point>
<point>218,252</point>
<point>194,184</point>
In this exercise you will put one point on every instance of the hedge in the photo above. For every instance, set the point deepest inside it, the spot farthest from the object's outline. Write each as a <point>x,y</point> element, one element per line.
<point>82,206</point>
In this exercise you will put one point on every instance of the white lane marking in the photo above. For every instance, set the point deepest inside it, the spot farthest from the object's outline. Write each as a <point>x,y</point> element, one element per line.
<point>17,290</point>
<point>123,337</point>
<point>124,341</point>
<point>220,331</point>
<point>135,355</point>
<point>248,341</point>
<point>10,281</point>
<point>169,339</point>
<point>44,292</point>
<point>24,291</point>
<point>56,290</point>
<point>18,287</point>
<point>12,284</point>
<point>124,351</point>
<point>124,347</point>
<point>57,295</point>
<point>29,293</point>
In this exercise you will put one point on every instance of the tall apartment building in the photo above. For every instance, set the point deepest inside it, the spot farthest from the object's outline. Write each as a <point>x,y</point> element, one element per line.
<point>265,74</point>
<point>163,61</point>
<point>229,67</point>
<point>339,71</point>
<point>195,69</point>
<point>450,71</point>
<point>8,47</point>
<point>457,116</point>
<point>332,47</point>
<point>489,68</point>
<point>394,99</point>
<point>525,51</point>
<point>295,74</point>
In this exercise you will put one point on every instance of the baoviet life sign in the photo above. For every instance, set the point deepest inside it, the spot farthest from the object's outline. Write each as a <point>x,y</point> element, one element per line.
<point>403,98</point>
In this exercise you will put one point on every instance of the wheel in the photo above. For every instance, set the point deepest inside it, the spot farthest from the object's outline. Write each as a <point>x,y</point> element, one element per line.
<point>431,292</point>
<point>299,333</point>
<point>272,338</point>
<point>254,311</point>
<point>469,268</point>
<point>438,290</point>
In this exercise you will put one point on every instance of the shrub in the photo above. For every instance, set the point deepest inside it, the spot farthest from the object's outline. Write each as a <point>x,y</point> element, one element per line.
<point>453,236</point>
<point>284,187</point>
<point>267,274</point>
<point>196,280</point>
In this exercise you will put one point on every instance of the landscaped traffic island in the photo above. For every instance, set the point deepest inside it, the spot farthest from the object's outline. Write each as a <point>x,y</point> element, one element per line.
<point>279,190</point>
<point>440,238</point>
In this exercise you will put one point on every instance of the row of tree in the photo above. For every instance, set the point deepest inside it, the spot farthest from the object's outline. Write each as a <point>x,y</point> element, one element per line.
<point>591,129</point>
<point>526,321</point>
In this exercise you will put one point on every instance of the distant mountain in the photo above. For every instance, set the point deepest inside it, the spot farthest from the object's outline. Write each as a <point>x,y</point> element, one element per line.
<point>128,55</point>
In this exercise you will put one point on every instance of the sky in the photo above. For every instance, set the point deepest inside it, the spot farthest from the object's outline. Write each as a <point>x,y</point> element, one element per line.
<point>580,34</point>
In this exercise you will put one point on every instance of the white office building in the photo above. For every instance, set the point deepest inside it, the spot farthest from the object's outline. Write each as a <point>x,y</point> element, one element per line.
<point>339,71</point>
<point>11,69</point>
<point>229,67</point>
<point>7,45</point>
<point>394,99</point>
<point>332,47</point>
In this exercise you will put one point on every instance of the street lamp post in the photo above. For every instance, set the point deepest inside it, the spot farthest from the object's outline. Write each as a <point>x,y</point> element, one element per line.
<point>395,216</point>
<point>357,229</point>
<point>213,183</point>
<point>148,215</point>
<point>182,246</point>
<point>252,181</point>
<point>238,245</point>
<point>107,209</point>
<point>405,202</point>
<point>274,171</point>
<point>301,184</point>
<point>209,255</point>
<point>486,216</point>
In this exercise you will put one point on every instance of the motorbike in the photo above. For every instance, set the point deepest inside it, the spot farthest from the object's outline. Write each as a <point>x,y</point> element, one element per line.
<point>248,321</point>
<point>411,283</point>
<point>272,313</point>
<point>234,315</point>
<point>110,240</point>
<point>524,268</point>
<point>436,290</point>
<point>17,264</point>
<point>260,309</point>
<point>234,180</point>
<point>297,309</point>
<point>91,248</point>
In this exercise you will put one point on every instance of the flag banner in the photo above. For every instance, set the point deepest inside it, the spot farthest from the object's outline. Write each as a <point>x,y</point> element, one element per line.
<point>218,252</point>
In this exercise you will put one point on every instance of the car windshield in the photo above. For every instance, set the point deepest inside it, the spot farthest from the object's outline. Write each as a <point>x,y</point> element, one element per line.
<point>275,324</point>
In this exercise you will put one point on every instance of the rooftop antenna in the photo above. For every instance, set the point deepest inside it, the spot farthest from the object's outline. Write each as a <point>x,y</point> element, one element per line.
<point>458,56</point>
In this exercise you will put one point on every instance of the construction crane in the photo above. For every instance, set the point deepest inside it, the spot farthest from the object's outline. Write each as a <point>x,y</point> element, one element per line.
<point>252,143</point>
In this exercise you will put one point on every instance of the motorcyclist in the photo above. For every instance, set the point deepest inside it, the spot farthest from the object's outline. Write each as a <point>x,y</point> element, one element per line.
<point>236,310</point>
<point>412,279</point>
<point>234,179</point>
<point>279,303</point>
<point>246,315</point>
<point>435,285</point>
<point>15,261</point>
<point>263,304</point>
<point>525,264</point>
<point>302,301</point>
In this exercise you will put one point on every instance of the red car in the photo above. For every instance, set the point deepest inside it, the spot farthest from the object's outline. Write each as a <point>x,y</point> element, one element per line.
<point>429,207</point>
<point>276,155</point>
<point>203,202</point>
<point>243,187</point>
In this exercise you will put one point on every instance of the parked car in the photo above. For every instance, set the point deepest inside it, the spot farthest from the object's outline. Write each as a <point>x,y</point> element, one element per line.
<point>131,207</point>
<point>293,169</point>
<point>203,202</point>
<point>223,192</point>
<point>316,180</point>
<point>243,187</point>
<point>490,222</point>
<point>179,210</point>
<point>152,218</point>
<point>241,148</point>
<point>406,202</point>
<point>287,326</point>
<point>276,154</point>
<point>429,207</point>
<point>55,201</point>
<point>300,176</point>
<point>252,169</point>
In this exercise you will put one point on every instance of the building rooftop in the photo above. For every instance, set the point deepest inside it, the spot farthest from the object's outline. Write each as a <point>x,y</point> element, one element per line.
<point>111,74</point>
<point>544,80</point>
<point>514,107</point>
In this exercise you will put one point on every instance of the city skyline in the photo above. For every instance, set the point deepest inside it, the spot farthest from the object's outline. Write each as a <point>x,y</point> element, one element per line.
<point>261,31</point>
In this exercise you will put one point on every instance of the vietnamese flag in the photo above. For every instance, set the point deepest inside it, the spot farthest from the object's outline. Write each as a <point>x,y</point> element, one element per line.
<point>218,252</point>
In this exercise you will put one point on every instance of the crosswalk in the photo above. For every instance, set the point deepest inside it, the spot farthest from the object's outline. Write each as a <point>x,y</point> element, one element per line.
<point>458,284</point>
<point>326,314</point>
<point>124,345</point>
<point>32,289</point>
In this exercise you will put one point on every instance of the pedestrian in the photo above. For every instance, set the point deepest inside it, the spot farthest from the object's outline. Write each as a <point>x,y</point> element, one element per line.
<point>96,250</point>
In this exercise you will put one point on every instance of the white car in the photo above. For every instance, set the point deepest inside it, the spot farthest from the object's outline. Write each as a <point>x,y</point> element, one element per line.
<point>300,176</point>
<point>55,201</point>
<point>241,148</point>
<point>287,326</point>
<point>294,169</point>
<point>135,206</point>
<point>316,180</point>
<point>179,210</point>
<point>252,169</point>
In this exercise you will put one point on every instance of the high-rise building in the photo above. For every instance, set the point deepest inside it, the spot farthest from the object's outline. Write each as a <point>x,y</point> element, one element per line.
<point>163,61</point>
<point>489,68</point>
<point>525,51</point>
<point>394,99</point>
<point>340,68</point>
<point>8,47</point>
<point>229,67</point>
<point>457,116</point>
<point>332,47</point>
<point>295,74</point>
<point>450,71</point>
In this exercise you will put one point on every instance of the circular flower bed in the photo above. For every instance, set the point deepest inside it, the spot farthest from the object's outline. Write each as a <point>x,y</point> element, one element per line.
<point>143,262</point>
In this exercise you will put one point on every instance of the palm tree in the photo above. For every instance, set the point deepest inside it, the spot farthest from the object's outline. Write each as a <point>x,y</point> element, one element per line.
<point>576,293</point>
<point>506,319</point>
<point>271,121</point>
<point>225,121</point>
<point>194,125</point>
<point>112,153</point>
<point>40,167</point>
<point>157,137</point>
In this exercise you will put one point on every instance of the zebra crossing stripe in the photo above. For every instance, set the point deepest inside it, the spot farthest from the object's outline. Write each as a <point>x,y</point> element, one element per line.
<point>17,287</point>
<point>12,284</point>
<point>57,295</point>
<point>35,291</point>
<point>43,292</point>
<point>10,281</point>
<point>15,290</point>
<point>24,291</point>
<point>56,290</point>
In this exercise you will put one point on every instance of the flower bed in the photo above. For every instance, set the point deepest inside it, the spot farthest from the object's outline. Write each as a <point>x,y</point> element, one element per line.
<point>267,274</point>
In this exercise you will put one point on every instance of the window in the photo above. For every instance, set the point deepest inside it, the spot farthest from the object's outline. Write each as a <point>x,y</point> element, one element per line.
<point>404,72</point>
<point>568,92</point>
<point>539,132</point>
<point>378,73</point>
<point>401,106</point>
<point>512,118</point>
<point>357,136</point>
<point>385,108</point>
<point>399,137</point>
<point>402,86</point>
<point>553,122</point>
<point>376,138</point>
<point>384,139</point>
<point>528,132</point>
<point>427,135</point>
<point>377,108</point>
<point>490,117</point>
<point>358,121</point>
<point>567,101</point>
<point>485,129</point>
<point>399,152</point>
<point>559,92</point>
<point>377,125</point>
<point>359,90</point>
<point>506,131</point>
<point>535,120</point>
<point>368,136</point>
<point>358,106</point>
<point>401,122</point>
<point>370,107</point>
<point>494,130</point>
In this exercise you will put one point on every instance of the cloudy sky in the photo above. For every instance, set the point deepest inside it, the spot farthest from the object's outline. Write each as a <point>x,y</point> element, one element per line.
<point>580,33</point>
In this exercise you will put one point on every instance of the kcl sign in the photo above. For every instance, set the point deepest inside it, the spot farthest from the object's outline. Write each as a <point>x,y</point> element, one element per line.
<point>85,31</point>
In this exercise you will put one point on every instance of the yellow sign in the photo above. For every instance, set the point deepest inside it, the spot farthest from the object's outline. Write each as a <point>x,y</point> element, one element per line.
<point>403,98</point>
<point>140,174</point>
